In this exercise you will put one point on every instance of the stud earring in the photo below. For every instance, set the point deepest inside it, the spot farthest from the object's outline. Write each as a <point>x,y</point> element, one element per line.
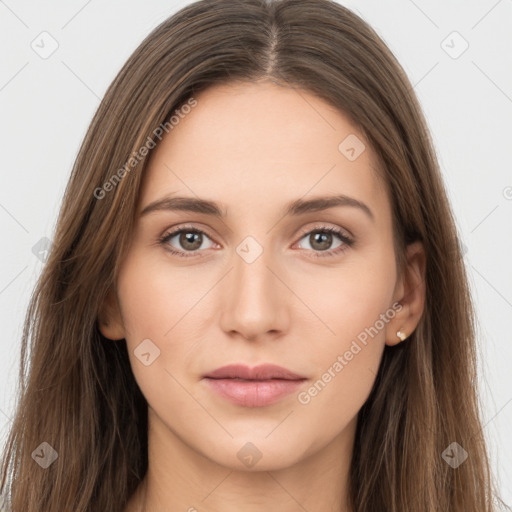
<point>401,335</point>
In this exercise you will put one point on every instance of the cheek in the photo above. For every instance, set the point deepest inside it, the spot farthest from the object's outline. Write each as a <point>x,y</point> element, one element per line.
<point>348,300</point>
<point>154,296</point>
<point>166,305</point>
<point>346,367</point>
<point>153,305</point>
<point>353,303</point>
<point>145,302</point>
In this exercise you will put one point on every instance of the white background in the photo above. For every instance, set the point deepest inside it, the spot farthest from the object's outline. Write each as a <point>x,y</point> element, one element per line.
<point>47,104</point>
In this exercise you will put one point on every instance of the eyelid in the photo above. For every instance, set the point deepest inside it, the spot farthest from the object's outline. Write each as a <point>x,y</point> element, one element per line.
<point>318,226</point>
<point>174,230</point>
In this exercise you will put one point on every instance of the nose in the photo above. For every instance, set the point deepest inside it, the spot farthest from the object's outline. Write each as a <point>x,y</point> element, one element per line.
<point>256,300</point>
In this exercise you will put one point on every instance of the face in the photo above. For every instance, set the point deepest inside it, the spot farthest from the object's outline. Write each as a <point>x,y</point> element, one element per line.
<point>310,289</point>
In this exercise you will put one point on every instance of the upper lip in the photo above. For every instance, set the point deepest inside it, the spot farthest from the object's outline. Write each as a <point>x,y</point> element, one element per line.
<point>261,372</point>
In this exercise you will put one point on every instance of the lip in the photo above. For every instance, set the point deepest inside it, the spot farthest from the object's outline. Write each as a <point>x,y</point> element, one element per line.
<point>260,372</point>
<point>253,387</point>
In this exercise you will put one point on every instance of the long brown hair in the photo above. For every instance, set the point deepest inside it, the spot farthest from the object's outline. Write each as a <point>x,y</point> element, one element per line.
<point>77,391</point>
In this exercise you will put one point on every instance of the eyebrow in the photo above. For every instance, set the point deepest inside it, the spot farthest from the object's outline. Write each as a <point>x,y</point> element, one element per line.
<point>297,207</point>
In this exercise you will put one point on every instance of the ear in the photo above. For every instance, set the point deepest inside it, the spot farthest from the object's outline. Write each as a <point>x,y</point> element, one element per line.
<point>410,293</point>
<point>110,322</point>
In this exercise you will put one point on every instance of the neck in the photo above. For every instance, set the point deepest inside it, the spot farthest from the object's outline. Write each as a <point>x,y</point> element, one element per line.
<point>181,478</point>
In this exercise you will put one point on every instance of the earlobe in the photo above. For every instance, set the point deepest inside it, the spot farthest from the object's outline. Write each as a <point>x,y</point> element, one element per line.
<point>398,337</point>
<point>401,335</point>
<point>109,318</point>
<point>412,290</point>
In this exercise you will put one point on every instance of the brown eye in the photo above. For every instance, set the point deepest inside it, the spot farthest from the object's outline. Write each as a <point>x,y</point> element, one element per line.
<point>323,239</point>
<point>185,240</point>
<point>320,241</point>
<point>190,240</point>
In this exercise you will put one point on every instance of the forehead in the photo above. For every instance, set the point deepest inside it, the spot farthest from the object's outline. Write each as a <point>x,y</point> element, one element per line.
<point>247,142</point>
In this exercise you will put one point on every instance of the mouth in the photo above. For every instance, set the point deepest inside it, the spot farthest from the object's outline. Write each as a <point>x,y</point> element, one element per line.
<point>259,373</point>
<point>253,387</point>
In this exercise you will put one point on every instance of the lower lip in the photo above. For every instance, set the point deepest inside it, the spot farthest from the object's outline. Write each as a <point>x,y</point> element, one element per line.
<point>253,393</point>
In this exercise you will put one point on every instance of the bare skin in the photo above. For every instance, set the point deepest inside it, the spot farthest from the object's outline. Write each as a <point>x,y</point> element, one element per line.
<point>253,148</point>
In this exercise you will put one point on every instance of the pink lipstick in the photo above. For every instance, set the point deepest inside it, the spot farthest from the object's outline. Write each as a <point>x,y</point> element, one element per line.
<point>253,387</point>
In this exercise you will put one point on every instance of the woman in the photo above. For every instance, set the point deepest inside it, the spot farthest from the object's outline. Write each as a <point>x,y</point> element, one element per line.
<point>255,298</point>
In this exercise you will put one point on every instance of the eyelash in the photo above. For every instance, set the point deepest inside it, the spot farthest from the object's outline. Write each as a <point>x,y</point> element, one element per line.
<point>347,241</point>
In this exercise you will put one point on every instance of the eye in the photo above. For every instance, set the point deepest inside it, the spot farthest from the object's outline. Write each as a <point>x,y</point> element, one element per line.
<point>320,240</point>
<point>188,239</point>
